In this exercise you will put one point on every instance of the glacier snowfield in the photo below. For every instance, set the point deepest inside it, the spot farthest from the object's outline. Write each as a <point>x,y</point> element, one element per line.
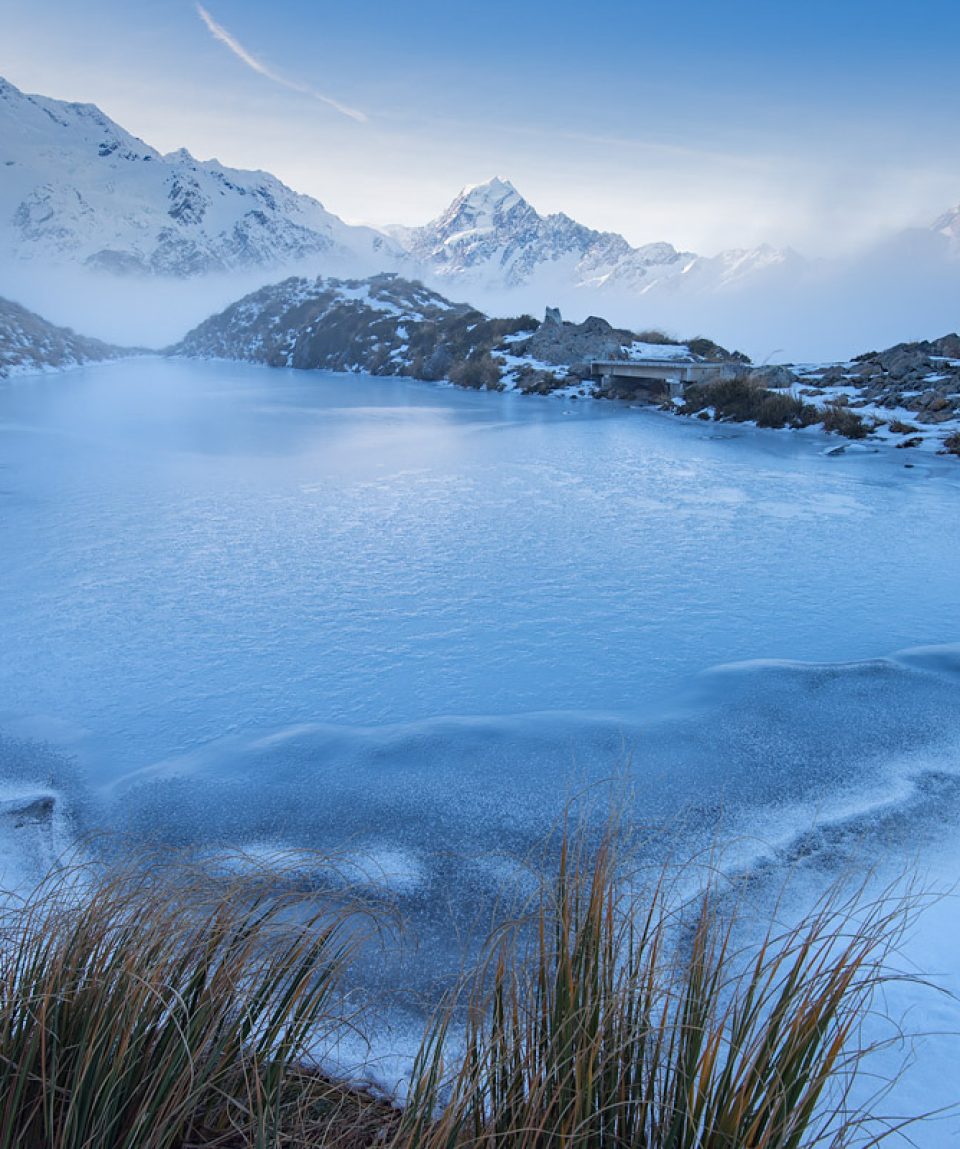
<point>277,611</point>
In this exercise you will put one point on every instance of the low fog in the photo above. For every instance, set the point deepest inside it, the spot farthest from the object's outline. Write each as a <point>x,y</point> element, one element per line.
<point>906,289</point>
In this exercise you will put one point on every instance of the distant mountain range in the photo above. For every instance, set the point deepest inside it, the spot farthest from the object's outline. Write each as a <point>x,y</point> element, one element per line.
<point>102,231</point>
<point>78,189</point>
<point>490,236</point>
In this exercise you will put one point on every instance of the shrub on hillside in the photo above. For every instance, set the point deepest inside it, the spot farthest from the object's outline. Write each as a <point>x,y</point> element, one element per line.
<point>707,349</point>
<point>658,338</point>
<point>479,371</point>
<point>743,400</point>
<point>841,420</point>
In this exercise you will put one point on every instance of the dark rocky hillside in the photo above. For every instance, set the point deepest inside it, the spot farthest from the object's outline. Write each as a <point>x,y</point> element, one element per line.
<point>29,343</point>
<point>387,325</point>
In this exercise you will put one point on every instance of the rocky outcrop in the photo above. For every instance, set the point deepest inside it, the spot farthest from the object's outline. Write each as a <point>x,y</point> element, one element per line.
<point>921,378</point>
<point>29,343</point>
<point>772,376</point>
<point>572,344</point>
<point>384,325</point>
<point>387,325</point>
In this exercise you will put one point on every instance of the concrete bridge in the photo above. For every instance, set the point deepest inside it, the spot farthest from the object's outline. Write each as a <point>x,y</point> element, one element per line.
<point>661,376</point>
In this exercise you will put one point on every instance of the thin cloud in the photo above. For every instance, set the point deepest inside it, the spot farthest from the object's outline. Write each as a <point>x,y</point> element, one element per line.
<point>220,33</point>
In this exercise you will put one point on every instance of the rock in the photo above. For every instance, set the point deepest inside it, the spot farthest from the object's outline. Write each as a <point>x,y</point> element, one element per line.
<point>904,361</point>
<point>772,377</point>
<point>947,345</point>
<point>438,363</point>
<point>944,415</point>
<point>566,343</point>
<point>832,376</point>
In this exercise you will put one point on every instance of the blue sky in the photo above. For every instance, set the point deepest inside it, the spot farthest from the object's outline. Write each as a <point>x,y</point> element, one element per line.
<point>706,124</point>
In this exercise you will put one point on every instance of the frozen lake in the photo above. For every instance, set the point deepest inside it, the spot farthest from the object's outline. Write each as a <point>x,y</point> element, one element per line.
<point>192,550</point>
<point>265,607</point>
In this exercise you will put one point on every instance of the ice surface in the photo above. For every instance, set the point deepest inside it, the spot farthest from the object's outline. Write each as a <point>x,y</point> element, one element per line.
<point>264,614</point>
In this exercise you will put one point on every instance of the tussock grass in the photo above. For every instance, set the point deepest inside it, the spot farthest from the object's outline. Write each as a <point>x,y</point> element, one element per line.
<point>604,1021</point>
<point>172,1010</point>
<point>743,399</point>
<point>843,421</point>
<point>951,445</point>
<point>152,1011</point>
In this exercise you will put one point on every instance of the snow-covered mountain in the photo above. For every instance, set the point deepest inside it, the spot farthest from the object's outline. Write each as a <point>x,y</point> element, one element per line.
<point>181,237</point>
<point>948,225</point>
<point>78,189</point>
<point>490,236</point>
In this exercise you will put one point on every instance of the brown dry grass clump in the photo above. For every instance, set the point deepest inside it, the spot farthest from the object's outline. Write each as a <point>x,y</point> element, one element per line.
<point>605,1022</point>
<point>158,1011</point>
<point>745,400</point>
<point>172,1011</point>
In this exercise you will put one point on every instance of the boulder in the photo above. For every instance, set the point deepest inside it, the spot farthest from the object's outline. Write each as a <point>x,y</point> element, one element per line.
<point>772,377</point>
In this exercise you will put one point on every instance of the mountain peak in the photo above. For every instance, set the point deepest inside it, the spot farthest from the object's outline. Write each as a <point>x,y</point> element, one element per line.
<point>495,186</point>
<point>494,194</point>
<point>948,224</point>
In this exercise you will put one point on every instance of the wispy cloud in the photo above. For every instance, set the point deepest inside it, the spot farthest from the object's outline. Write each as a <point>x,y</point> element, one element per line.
<point>230,41</point>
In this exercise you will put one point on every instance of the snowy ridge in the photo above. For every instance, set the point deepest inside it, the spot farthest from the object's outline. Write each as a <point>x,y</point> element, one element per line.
<point>949,225</point>
<point>491,236</point>
<point>78,189</point>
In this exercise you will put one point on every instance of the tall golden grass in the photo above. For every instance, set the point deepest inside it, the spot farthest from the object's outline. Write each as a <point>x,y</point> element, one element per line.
<point>167,1011</point>
<point>602,1021</point>
<point>135,1012</point>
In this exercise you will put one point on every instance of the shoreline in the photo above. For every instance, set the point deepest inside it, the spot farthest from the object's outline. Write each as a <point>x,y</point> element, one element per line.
<point>927,456</point>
